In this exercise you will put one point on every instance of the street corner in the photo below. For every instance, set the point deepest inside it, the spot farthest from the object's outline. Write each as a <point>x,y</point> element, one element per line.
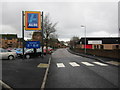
<point>114,63</point>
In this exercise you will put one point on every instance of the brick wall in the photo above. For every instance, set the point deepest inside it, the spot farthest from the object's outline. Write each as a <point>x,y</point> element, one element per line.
<point>103,53</point>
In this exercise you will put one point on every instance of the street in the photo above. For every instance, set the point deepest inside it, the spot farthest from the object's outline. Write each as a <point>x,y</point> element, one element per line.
<point>71,71</point>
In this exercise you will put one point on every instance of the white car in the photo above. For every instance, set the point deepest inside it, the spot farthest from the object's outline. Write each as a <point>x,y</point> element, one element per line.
<point>7,54</point>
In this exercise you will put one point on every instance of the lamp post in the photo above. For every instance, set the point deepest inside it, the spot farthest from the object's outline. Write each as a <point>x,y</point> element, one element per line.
<point>85,36</point>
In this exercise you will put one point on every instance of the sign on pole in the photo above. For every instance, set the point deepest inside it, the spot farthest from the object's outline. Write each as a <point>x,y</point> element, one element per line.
<point>32,44</point>
<point>32,20</point>
<point>94,41</point>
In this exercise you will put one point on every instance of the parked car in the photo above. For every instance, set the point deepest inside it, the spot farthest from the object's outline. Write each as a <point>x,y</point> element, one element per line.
<point>7,54</point>
<point>19,51</point>
<point>29,53</point>
<point>50,50</point>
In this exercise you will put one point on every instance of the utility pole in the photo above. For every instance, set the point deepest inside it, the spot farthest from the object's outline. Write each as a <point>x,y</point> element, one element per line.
<point>23,32</point>
<point>42,35</point>
<point>85,37</point>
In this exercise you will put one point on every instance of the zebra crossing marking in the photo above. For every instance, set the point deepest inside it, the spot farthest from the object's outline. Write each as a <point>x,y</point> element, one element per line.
<point>101,64</point>
<point>87,64</point>
<point>74,64</point>
<point>60,65</point>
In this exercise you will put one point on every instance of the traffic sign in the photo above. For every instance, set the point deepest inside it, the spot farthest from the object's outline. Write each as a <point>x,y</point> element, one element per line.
<point>32,44</point>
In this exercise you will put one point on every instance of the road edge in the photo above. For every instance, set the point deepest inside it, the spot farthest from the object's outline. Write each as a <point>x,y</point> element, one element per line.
<point>4,85</point>
<point>45,76</point>
<point>98,59</point>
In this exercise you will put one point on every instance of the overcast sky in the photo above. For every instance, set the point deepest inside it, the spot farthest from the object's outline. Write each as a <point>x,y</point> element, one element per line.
<point>100,18</point>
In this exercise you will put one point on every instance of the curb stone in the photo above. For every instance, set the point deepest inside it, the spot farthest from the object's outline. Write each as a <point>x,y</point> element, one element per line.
<point>87,56</point>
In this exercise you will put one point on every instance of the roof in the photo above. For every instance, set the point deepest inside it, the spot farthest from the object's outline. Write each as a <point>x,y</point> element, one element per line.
<point>8,36</point>
<point>105,40</point>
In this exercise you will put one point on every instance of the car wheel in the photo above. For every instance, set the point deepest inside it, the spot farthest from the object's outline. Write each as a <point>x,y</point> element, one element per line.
<point>28,56</point>
<point>11,57</point>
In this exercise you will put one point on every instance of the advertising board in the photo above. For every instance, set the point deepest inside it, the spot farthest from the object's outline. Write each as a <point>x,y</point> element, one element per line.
<point>32,20</point>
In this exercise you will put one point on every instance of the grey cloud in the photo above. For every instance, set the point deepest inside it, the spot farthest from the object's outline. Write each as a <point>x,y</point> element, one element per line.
<point>96,16</point>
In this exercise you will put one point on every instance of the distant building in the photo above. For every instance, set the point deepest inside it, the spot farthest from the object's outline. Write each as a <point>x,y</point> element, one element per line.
<point>20,43</point>
<point>8,41</point>
<point>108,43</point>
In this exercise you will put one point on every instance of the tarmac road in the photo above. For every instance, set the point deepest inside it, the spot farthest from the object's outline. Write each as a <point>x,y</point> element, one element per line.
<point>24,74</point>
<point>71,71</point>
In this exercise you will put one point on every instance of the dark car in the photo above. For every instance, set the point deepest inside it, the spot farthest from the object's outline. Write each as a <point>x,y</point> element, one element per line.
<point>29,53</point>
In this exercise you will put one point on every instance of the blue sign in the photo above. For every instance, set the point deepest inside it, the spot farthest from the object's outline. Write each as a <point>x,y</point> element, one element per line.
<point>32,44</point>
<point>32,20</point>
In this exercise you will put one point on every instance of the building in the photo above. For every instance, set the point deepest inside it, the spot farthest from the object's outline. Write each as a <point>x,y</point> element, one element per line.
<point>20,43</point>
<point>106,43</point>
<point>8,41</point>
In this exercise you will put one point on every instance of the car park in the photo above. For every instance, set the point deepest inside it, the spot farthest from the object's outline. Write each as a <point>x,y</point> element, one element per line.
<point>7,54</point>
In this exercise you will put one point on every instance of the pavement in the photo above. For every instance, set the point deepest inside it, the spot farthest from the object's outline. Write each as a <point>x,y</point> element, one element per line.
<point>27,73</point>
<point>114,62</point>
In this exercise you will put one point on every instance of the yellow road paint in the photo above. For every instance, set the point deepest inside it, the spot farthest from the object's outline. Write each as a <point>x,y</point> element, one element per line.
<point>43,65</point>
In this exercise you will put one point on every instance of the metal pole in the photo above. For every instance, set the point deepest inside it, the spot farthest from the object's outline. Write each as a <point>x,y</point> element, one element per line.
<point>85,39</point>
<point>42,35</point>
<point>23,32</point>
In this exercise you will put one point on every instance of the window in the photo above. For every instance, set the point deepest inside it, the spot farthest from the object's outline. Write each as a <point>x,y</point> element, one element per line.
<point>94,46</point>
<point>117,46</point>
<point>101,46</point>
<point>97,46</point>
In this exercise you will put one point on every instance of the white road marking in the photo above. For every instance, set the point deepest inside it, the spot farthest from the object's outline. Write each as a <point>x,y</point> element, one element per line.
<point>101,64</point>
<point>4,85</point>
<point>74,64</point>
<point>60,65</point>
<point>45,76</point>
<point>87,64</point>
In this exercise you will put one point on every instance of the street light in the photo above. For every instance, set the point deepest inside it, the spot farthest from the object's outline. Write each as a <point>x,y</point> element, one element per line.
<point>85,36</point>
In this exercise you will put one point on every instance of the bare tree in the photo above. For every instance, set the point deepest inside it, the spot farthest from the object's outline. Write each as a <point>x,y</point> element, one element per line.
<point>49,28</point>
<point>74,40</point>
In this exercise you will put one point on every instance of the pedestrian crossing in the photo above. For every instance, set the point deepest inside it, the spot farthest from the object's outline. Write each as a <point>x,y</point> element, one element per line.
<point>87,64</point>
<point>60,65</point>
<point>75,64</point>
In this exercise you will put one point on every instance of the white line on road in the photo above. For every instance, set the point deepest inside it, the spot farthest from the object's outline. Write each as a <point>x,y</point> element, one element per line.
<point>74,64</point>
<point>101,64</point>
<point>45,77</point>
<point>87,64</point>
<point>60,65</point>
<point>4,85</point>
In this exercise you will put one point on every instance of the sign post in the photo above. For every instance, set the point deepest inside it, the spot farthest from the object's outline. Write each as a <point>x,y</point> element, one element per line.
<point>42,35</point>
<point>23,32</point>
<point>32,21</point>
